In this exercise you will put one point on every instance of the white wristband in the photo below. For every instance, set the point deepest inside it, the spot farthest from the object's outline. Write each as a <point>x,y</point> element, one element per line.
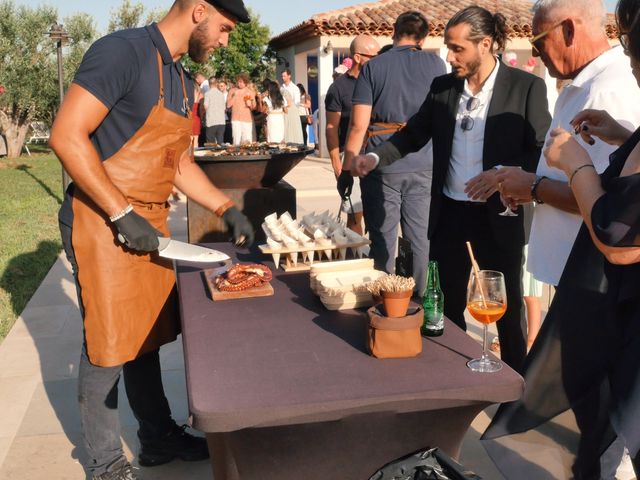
<point>121,214</point>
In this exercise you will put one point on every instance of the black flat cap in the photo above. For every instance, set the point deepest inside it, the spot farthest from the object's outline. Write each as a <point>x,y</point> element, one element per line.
<point>234,7</point>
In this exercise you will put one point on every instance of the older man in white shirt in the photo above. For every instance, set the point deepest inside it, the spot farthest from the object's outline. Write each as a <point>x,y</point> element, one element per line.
<point>601,79</point>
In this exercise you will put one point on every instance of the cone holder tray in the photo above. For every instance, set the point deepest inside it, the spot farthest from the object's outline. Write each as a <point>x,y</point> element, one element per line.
<point>299,259</point>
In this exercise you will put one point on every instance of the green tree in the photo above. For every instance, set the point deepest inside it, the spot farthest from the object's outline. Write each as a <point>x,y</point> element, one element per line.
<point>82,32</point>
<point>247,52</point>
<point>156,15</point>
<point>127,15</point>
<point>27,72</point>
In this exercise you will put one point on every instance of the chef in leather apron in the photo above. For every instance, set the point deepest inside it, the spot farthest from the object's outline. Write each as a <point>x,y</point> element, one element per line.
<point>126,291</point>
<point>129,299</point>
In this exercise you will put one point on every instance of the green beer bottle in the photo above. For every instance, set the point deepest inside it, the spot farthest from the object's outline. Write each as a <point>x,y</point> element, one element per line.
<point>433,303</point>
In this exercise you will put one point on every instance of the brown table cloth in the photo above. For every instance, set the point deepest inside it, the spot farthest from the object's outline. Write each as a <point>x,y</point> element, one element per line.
<point>284,388</point>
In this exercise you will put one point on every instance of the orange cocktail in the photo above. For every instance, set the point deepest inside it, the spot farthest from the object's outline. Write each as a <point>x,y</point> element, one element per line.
<point>489,313</point>
<point>486,302</point>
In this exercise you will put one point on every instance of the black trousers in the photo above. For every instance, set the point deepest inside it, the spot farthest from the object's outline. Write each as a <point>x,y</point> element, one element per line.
<point>458,223</point>
<point>304,121</point>
<point>98,394</point>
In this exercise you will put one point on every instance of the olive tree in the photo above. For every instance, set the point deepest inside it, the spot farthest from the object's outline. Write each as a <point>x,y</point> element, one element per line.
<point>132,15</point>
<point>28,77</point>
<point>27,69</point>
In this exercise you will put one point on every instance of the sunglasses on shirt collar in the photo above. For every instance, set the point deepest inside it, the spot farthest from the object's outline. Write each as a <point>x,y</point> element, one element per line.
<point>467,122</point>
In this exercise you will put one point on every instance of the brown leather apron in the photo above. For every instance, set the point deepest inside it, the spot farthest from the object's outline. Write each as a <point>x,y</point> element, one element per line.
<point>129,298</point>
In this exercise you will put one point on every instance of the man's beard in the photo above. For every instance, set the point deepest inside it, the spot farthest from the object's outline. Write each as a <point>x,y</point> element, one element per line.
<point>470,68</point>
<point>473,67</point>
<point>197,50</point>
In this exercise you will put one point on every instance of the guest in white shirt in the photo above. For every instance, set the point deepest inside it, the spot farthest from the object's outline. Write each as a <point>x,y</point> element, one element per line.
<point>202,82</point>
<point>289,86</point>
<point>602,80</point>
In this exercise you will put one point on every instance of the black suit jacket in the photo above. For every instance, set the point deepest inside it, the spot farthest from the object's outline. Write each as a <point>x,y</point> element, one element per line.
<point>517,122</point>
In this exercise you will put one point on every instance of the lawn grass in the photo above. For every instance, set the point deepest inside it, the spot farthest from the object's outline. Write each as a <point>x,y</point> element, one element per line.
<point>30,196</point>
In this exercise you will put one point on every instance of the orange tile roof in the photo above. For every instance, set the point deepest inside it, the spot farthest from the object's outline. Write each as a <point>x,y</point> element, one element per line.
<point>377,18</point>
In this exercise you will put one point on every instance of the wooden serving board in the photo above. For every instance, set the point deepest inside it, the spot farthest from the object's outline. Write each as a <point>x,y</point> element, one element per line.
<point>264,290</point>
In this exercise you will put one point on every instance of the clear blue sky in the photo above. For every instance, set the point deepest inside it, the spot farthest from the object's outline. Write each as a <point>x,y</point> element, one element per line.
<point>279,15</point>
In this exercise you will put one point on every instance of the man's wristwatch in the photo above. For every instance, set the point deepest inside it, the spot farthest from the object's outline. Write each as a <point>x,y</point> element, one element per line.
<point>534,189</point>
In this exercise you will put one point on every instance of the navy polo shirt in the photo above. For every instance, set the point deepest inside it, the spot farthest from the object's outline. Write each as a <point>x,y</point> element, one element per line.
<point>338,99</point>
<point>396,84</point>
<point>121,70</point>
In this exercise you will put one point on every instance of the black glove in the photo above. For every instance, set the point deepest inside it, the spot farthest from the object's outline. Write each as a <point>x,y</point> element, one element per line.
<point>345,184</point>
<point>136,233</point>
<point>239,226</point>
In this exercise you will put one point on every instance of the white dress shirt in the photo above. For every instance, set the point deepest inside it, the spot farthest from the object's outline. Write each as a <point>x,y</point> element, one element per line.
<point>293,89</point>
<point>605,84</point>
<point>466,150</point>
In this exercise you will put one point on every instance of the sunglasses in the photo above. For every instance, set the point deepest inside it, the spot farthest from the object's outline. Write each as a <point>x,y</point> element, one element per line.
<point>467,122</point>
<point>367,55</point>
<point>541,35</point>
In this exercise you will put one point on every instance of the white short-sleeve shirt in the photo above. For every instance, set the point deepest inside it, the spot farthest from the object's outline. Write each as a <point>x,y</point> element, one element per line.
<point>605,84</point>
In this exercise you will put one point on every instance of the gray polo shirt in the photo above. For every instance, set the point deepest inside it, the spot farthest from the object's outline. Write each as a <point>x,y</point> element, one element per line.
<point>215,105</point>
<point>396,84</point>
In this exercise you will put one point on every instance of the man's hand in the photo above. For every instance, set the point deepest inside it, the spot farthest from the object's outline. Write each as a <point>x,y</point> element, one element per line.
<point>138,234</point>
<point>482,186</point>
<point>515,184</point>
<point>345,184</point>
<point>239,225</point>
<point>363,165</point>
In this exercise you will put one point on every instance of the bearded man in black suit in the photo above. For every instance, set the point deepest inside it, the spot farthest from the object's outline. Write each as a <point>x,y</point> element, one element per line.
<point>482,116</point>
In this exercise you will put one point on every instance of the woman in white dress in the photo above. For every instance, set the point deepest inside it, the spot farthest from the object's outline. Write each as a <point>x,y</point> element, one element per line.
<point>292,126</point>
<point>275,108</point>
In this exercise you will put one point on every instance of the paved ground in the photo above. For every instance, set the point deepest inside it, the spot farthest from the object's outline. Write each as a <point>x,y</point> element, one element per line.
<point>39,427</point>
